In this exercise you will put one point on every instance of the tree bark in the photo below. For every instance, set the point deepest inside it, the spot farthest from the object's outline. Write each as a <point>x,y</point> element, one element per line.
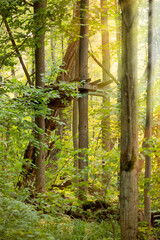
<point>148,127</point>
<point>118,40</point>
<point>52,47</point>
<point>40,6</point>
<point>83,100</point>
<point>75,129</point>
<point>105,124</point>
<point>129,129</point>
<point>106,136</point>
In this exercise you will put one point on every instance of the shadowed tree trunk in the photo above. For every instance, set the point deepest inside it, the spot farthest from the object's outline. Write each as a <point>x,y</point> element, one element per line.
<point>148,127</point>
<point>83,100</point>
<point>39,7</point>
<point>129,129</point>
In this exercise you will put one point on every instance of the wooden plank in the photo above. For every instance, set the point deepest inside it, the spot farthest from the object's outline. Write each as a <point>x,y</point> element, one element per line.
<point>97,93</point>
<point>96,81</point>
<point>88,87</point>
<point>103,84</point>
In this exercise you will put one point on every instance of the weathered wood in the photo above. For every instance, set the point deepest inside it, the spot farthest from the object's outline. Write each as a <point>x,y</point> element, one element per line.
<point>97,93</point>
<point>87,87</point>
<point>96,81</point>
<point>103,84</point>
<point>68,61</point>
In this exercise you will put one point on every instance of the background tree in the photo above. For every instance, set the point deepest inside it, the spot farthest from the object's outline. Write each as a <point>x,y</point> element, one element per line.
<point>106,128</point>
<point>148,127</point>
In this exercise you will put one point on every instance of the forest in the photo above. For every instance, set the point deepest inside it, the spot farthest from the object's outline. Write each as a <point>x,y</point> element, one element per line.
<point>79,119</point>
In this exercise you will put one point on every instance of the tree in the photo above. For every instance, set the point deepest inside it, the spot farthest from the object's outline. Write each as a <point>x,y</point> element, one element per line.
<point>106,133</point>
<point>76,16</point>
<point>83,100</point>
<point>129,130</point>
<point>39,8</point>
<point>148,127</point>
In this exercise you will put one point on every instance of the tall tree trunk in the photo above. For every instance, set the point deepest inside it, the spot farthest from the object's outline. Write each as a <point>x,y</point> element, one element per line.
<point>76,16</point>
<point>118,41</point>
<point>148,127</point>
<point>40,6</point>
<point>83,100</point>
<point>106,132</point>
<point>105,78</point>
<point>129,129</point>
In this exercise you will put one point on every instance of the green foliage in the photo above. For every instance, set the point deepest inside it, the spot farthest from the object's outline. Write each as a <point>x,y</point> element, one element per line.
<point>145,232</point>
<point>21,221</point>
<point>19,104</point>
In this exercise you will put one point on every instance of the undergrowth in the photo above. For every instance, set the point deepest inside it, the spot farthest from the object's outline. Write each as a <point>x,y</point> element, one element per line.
<point>20,221</point>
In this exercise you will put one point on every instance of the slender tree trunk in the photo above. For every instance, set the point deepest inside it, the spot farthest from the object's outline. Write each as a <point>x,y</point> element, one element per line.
<point>118,40</point>
<point>75,141</point>
<point>75,129</point>
<point>148,127</point>
<point>52,47</point>
<point>106,135</point>
<point>40,70</point>
<point>106,132</point>
<point>33,70</point>
<point>129,129</point>
<point>76,16</point>
<point>83,100</point>
<point>93,127</point>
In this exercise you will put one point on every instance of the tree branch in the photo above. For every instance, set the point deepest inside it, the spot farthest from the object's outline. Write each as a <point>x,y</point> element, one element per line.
<point>17,50</point>
<point>30,4</point>
<point>109,74</point>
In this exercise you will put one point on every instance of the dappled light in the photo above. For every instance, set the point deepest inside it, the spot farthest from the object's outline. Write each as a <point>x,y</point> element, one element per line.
<point>79,120</point>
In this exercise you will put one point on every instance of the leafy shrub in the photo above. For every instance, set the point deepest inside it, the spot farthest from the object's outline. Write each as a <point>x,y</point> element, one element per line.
<point>19,221</point>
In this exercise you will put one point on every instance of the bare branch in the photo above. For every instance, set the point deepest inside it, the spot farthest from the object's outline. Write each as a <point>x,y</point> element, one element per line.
<point>109,74</point>
<point>17,50</point>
